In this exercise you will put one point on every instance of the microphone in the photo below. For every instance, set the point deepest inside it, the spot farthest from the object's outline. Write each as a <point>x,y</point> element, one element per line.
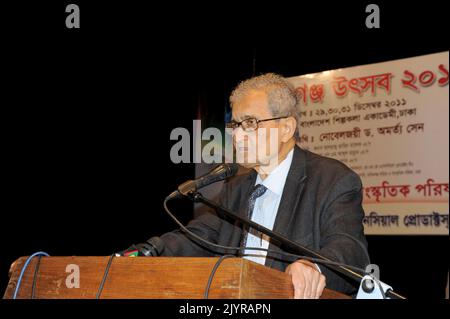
<point>152,247</point>
<point>219,173</point>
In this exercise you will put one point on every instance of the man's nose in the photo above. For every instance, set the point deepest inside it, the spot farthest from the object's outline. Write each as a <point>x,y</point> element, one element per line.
<point>239,135</point>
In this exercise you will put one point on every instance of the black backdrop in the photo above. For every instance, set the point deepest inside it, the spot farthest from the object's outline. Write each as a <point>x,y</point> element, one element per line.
<point>87,113</point>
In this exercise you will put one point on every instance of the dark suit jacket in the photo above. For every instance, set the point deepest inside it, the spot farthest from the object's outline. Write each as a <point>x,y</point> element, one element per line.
<point>320,208</point>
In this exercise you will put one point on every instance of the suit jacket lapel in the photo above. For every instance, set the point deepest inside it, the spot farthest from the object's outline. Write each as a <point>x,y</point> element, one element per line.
<point>292,192</point>
<point>245,189</point>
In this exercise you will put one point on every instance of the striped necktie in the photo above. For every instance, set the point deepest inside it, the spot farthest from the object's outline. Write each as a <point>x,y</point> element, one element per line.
<point>258,191</point>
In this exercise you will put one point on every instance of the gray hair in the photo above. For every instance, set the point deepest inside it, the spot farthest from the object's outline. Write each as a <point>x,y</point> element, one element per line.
<point>281,95</point>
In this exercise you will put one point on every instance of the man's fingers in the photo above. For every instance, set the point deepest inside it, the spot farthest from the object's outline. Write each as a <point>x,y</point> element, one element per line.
<point>321,286</point>
<point>315,277</point>
<point>308,284</point>
<point>307,281</point>
<point>299,285</point>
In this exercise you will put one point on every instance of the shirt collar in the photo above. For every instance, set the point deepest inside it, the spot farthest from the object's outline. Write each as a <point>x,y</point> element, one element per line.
<point>277,178</point>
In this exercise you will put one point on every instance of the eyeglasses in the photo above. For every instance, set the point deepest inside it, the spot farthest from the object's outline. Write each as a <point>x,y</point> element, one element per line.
<point>250,124</point>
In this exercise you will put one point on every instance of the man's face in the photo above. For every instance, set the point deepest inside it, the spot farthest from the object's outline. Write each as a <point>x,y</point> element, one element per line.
<point>261,146</point>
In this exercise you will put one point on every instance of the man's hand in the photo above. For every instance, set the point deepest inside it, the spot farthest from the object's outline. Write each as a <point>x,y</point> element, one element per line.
<point>307,280</point>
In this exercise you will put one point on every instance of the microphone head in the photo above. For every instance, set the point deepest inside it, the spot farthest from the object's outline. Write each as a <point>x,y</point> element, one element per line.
<point>225,170</point>
<point>219,173</point>
<point>232,168</point>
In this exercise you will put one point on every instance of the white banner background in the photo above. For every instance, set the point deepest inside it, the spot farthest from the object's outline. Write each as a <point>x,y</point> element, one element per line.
<point>389,122</point>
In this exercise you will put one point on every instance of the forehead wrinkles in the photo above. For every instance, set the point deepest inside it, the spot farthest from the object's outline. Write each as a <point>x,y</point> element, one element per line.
<point>254,104</point>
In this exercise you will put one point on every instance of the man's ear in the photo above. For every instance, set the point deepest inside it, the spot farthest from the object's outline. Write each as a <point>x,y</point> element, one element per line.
<point>288,129</point>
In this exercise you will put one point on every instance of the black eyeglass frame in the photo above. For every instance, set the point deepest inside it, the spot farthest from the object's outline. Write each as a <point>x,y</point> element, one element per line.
<point>234,125</point>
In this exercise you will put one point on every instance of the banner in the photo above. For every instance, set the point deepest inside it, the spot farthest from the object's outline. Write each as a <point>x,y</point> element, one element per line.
<point>389,122</point>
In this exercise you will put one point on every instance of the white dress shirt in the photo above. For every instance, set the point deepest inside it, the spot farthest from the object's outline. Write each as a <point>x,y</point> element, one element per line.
<point>266,208</point>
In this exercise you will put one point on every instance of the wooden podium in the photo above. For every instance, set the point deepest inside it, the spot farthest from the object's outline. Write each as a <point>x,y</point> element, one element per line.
<point>154,278</point>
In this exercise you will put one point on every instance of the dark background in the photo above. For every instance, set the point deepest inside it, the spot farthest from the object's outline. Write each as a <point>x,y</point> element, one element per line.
<point>87,114</point>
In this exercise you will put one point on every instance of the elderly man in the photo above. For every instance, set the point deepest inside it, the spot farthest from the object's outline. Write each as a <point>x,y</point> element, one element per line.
<point>313,200</point>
